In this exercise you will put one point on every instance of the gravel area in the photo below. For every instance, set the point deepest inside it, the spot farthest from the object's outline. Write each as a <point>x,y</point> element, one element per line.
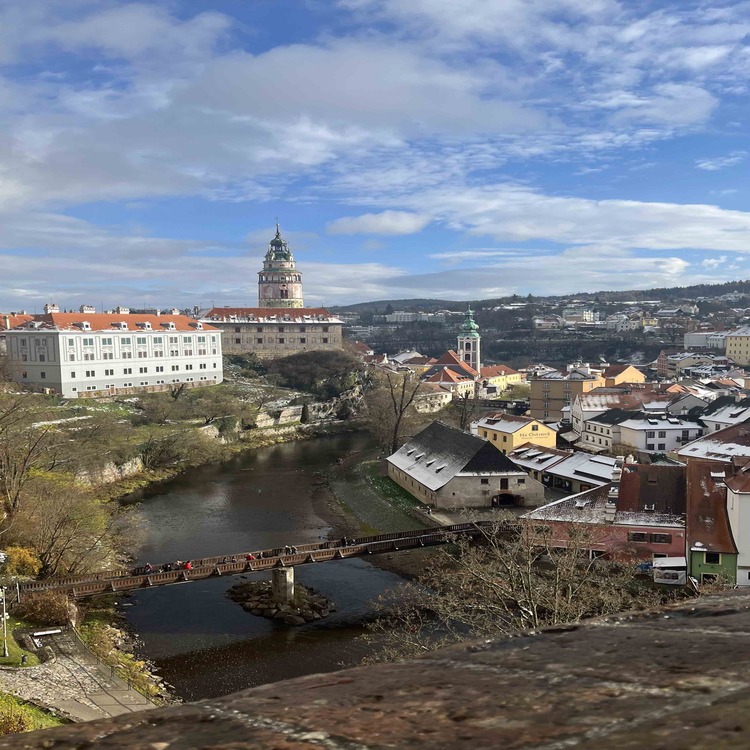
<point>74,684</point>
<point>349,483</point>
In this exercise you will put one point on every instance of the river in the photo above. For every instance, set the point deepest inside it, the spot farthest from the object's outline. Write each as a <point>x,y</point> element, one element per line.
<point>202,643</point>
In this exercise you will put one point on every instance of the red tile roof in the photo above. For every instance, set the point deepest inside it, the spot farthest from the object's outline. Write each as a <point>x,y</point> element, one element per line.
<point>13,320</point>
<point>447,376</point>
<point>662,488</point>
<point>707,519</point>
<point>451,358</point>
<point>110,322</point>
<point>492,371</point>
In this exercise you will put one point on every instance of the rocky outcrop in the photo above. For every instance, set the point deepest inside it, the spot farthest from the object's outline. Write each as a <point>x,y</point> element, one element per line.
<point>256,598</point>
<point>111,472</point>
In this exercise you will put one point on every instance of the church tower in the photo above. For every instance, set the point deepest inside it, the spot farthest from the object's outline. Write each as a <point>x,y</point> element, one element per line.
<point>469,341</point>
<point>279,283</point>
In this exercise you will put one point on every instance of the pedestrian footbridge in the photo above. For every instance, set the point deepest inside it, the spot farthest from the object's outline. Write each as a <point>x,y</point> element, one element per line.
<point>110,581</point>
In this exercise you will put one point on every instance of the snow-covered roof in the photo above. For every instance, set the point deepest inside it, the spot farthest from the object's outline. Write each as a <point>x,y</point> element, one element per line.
<point>438,453</point>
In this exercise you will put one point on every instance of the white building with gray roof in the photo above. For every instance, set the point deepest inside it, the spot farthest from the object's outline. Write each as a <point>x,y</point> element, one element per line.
<point>447,468</point>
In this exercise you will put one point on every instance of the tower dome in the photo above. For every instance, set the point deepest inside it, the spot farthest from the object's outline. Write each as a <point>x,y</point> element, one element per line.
<point>469,342</point>
<point>469,326</point>
<point>279,283</point>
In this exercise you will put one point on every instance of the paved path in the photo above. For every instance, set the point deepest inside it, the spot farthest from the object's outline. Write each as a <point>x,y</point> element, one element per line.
<point>75,684</point>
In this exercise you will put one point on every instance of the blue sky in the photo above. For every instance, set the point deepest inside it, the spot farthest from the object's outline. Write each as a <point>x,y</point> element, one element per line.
<point>431,148</point>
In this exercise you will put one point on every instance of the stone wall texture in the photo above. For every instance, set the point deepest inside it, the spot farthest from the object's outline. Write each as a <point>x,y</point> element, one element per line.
<point>673,678</point>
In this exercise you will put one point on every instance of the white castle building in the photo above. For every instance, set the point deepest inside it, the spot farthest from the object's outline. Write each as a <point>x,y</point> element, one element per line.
<point>107,354</point>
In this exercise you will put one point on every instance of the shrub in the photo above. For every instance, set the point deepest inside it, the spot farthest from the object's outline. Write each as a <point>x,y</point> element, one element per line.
<point>12,721</point>
<point>45,608</point>
<point>21,561</point>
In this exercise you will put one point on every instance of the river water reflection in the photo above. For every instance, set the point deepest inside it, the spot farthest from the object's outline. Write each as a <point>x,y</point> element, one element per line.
<point>206,645</point>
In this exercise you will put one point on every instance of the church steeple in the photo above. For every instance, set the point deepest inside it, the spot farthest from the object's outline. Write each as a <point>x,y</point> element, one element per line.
<point>279,283</point>
<point>469,341</point>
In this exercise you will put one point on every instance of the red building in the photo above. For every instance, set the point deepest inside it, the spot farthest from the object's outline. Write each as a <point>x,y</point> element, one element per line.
<point>640,515</point>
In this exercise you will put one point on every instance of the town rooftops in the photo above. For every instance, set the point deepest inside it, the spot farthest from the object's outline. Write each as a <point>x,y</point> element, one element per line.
<point>600,399</point>
<point>133,322</point>
<point>723,445</point>
<point>708,522</point>
<point>652,487</point>
<point>728,410</point>
<point>650,421</point>
<point>446,375</point>
<point>493,371</point>
<point>613,416</point>
<point>615,370</point>
<point>504,422</point>
<point>14,320</point>
<point>740,482</point>
<point>593,507</point>
<point>532,456</point>
<point>438,453</point>
<point>585,467</point>
<point>451,361</point>
<point>268,315</point>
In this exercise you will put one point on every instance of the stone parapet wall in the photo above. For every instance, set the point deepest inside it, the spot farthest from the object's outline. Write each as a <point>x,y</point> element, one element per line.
<point>668,679</point>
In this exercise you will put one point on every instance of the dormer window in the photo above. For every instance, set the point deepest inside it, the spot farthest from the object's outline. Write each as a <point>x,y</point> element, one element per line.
<point>145,325</point>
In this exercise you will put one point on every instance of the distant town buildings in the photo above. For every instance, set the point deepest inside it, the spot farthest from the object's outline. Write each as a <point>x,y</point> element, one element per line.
<point>552,391</point>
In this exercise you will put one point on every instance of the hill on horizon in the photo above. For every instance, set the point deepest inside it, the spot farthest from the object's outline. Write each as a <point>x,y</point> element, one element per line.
<point>664,294</point>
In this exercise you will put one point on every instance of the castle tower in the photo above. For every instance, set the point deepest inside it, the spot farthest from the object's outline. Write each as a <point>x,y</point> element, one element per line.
<point>469,341</point>
<point>279,283</point>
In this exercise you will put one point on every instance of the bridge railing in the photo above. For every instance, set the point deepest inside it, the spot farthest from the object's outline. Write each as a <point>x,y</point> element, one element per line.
<point>119,580</point>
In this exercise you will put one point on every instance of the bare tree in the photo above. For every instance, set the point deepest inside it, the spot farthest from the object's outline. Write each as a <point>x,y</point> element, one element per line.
<point>516,578</point>
<point>467,404</point>
<point>390,406</point>
<point>70,530</point>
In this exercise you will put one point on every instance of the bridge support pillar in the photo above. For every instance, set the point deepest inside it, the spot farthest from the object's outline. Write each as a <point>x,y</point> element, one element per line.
<point>282,585</point>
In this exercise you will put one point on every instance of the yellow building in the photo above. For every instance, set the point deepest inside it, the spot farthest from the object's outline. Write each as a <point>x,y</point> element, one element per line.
<point>507,431</point>
<point>500,376</point>
<point>618,374</point>
<point>738,346</point>
<point>551,392</point>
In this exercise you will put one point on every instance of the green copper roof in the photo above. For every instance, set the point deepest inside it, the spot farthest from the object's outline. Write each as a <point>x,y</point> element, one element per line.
<point>278,248</point>
<point>469,328</point>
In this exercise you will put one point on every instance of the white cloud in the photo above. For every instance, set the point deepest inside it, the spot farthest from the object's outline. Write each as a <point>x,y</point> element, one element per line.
<point>722,162</point>
<point>714,262</point>
<point>388,222</point>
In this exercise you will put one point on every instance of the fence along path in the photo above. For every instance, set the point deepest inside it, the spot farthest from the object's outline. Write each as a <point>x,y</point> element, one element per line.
<point>108,581</point>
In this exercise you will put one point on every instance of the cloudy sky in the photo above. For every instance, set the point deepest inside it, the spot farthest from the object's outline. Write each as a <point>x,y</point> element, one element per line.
<point>443,148</point>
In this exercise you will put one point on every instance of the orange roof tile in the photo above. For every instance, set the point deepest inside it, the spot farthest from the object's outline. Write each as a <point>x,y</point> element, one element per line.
<point>110,322</point>
<point>447,376</point>
<point>492,371</point>
<point>13,320</point>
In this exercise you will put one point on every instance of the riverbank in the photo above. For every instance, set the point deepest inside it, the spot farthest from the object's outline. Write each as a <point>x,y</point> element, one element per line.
<point>124,490</point>
<point>357,498</point>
